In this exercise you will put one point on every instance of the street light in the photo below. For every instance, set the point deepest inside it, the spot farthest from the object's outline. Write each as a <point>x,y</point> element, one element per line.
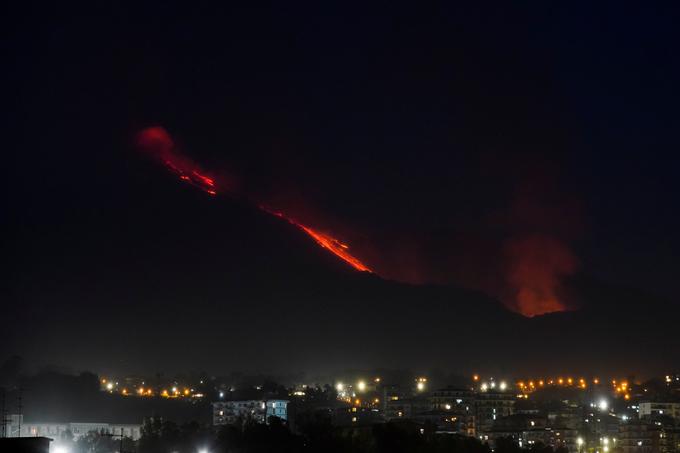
<point>580,442</point>
<point>603,404</point>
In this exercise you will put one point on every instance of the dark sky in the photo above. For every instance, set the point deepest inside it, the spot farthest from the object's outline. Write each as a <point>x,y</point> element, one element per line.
<point>528,152</point>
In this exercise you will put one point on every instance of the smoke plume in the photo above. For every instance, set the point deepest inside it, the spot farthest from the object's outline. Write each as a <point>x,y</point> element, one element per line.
<point>536,266</point>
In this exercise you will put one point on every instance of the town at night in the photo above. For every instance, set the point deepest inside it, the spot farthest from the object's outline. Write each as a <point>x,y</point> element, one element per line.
<point>388,227</point>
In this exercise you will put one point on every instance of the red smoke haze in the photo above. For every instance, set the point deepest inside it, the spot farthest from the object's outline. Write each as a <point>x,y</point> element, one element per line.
<point>536,266</point>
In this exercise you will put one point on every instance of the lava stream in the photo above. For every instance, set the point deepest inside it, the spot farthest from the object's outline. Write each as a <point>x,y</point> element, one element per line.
<point>331,244</point>
<point>158,143</point>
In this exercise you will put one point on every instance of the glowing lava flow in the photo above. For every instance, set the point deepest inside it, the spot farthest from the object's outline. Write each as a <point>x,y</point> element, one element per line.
<point>157,142</point>
<point>328,242</point>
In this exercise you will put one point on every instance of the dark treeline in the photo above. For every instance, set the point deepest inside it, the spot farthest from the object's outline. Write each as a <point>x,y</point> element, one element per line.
<point>314,436</point>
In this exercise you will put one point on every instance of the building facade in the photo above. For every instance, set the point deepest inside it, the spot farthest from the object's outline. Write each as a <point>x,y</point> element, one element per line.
<point>18,428</point>
<point>639,436</point>
<point>458,406</point>
<point>649,409</point>
<point>229,412</point>
<point>406,408</point>
<point>491,406</point>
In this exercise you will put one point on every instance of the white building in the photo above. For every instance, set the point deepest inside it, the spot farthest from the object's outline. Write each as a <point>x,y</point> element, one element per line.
<point>649,408</point>
<point>228,412</point>
<point>59,430</point>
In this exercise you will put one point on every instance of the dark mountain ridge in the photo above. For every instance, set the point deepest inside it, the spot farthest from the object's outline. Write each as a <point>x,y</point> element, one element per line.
<point>230,287</point>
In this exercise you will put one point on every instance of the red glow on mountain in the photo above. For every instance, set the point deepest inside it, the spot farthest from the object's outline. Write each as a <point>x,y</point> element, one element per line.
<point>158,143</point>
<point>537,266</point>
<point>326,241</point>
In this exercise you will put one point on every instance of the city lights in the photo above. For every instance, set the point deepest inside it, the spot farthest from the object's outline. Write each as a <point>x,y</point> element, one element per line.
<point>373,228</point>
<point>602,404</point>
<point>365,397</point>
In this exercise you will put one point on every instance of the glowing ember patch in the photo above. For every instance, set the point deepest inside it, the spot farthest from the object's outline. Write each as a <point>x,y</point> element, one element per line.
<point>208,181</point>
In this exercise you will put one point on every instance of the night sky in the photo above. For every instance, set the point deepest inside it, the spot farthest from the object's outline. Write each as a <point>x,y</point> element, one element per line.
<point>499,168</point>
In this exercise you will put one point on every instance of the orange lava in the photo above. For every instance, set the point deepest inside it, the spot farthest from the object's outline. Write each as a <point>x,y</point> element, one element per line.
<point>157,142</point>
<point>331,244</point>
<point>194,178</point>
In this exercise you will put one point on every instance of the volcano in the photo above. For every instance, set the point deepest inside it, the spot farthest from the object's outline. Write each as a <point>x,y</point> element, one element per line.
<point>217,284</point>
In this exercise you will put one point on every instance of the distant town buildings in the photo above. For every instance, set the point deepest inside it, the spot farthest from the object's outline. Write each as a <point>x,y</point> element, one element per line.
<point>230,412</point>
<point>576,414</point>
<point>491,406</point>
<point>639,436</point>
<point>17,428</point>
<point>651,409</point>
